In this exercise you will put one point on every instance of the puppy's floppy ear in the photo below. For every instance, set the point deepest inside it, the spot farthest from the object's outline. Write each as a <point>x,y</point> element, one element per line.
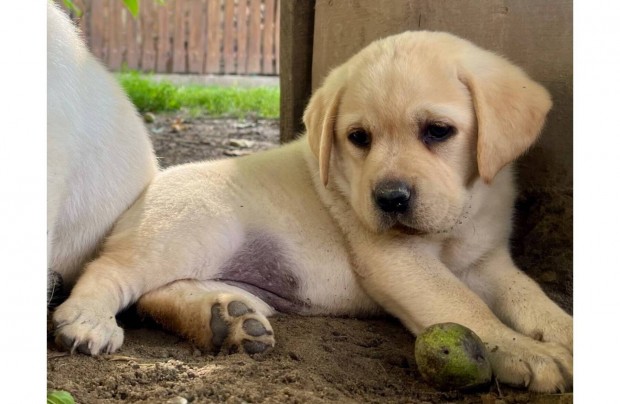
<point>510,108</point>
<point>320,117</point>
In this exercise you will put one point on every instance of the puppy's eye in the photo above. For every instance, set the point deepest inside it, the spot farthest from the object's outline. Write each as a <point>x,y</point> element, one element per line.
<point>437,132</point>
<point>360,138</point>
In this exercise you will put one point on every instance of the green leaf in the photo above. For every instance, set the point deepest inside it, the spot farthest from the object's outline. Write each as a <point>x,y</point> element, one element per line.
<point>71,6</point>
<point>133,6</point>
<point>59,397</point>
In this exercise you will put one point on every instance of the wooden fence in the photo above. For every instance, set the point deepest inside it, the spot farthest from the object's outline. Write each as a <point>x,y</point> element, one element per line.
<point>185,36</point>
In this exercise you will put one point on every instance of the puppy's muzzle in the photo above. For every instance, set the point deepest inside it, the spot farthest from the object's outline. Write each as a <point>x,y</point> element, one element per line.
<point>393,196</point>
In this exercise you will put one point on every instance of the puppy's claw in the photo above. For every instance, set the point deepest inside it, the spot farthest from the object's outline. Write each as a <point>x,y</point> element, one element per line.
<point>85,348</point>
<point>64,342</point>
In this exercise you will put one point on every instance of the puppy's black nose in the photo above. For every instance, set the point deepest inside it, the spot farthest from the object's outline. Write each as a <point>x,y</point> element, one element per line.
<point>392,196</point>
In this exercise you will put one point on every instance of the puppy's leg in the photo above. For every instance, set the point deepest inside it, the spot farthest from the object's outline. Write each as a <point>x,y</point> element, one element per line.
<point>215,316</point>
<point>519,301</point>
<point>129,267</point>
<point>417,288</point>
<point>86,320</point>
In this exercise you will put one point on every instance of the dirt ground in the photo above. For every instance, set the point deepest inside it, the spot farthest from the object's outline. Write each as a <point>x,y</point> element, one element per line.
<point>317,359</point>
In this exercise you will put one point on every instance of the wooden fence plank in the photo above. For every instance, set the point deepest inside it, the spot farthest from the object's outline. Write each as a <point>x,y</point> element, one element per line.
<point>148,17</point>
<point>213,37</point>
<point>131,39</point>
<point>164,45</point>
<point>115,23</point>
<point>229,37</point>
<point>97,28</point>
<point>242,36</point>
<point>196,42</point>
<point>254,37</point>
<point>269,22</point>
<point>277,38</point>
<point>185,36</point>
<point>179,56</point>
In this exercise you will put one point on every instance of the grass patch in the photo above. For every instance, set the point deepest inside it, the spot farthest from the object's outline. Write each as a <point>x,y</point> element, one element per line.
<point>151,96</point>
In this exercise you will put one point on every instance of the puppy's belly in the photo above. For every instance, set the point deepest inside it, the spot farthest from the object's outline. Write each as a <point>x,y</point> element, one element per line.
<point>262,267</point>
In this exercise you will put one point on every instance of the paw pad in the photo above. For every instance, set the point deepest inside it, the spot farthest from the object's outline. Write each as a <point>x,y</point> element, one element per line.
<point>237,308</point>
<point>236,325</point>
<point>219,327</point>
<point>255,347</point>
<point>254,327</point>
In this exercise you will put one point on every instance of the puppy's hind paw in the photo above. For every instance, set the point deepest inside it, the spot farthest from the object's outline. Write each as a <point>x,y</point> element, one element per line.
<point>234,326</point>
<point>88,330</point>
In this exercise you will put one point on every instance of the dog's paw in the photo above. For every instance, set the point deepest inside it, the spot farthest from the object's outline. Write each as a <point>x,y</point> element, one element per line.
<point>236,326</point>
<point>86,328</point>
<point>544,367</point>
<point>557,329</point>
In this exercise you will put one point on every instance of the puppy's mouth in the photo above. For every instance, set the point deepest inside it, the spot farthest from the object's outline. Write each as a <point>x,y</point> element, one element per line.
<point>400,223</point>
<point>405,229</point>
<point>405,223</point>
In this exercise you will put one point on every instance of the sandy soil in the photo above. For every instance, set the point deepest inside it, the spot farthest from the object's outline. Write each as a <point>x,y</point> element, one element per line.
<point>316,360</point>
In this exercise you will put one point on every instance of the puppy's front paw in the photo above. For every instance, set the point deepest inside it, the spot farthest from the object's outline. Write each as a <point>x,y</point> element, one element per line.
<point>547,323</point>
<point>557,329</point>
<point>544,367</point>
<point>235,325</point>
<point>86,328</point>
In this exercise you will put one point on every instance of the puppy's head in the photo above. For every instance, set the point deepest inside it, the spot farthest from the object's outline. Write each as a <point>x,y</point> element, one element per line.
<point>406,126</point>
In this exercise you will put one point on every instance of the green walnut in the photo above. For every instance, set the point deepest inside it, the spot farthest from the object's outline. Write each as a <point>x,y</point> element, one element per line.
<point>452,357</point>
<point>149,117</point>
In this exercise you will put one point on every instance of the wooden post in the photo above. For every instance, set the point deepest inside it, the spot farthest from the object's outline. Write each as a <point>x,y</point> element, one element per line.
<point>277,37</point>
<point>296,36</point>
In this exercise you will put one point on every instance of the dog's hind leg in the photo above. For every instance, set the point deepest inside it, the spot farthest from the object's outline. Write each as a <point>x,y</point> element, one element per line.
<point>213,315</point>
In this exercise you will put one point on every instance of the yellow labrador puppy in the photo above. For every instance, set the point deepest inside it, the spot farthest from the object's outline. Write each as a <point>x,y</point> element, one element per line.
<point>398,198</point>
<point>99,154</point>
